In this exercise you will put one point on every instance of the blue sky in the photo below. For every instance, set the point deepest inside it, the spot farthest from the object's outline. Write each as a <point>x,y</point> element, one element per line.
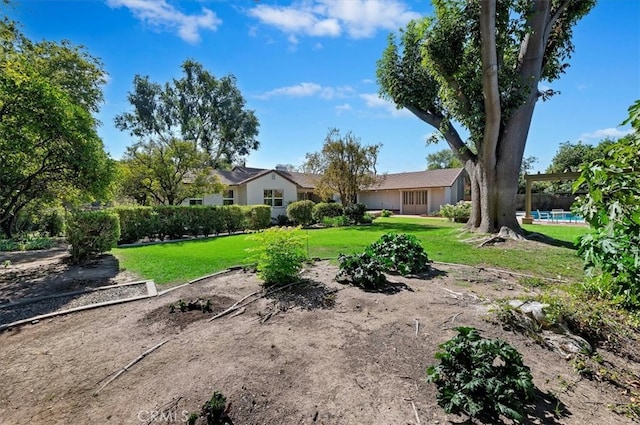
<point>308,66</point>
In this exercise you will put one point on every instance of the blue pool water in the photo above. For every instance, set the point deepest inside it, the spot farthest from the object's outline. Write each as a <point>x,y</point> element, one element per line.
<point>557,216</point>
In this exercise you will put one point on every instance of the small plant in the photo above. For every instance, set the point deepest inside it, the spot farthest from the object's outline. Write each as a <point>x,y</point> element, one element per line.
<point>279,254</point>
<point>481,378</point>
<point>216,410</point>
<point>197,304</point>
<point>402,251</point>
<point>385,213</point>
<point>459,212</point>
<point>6,264</point>
<point>365,270</point>
<point>339,221</point>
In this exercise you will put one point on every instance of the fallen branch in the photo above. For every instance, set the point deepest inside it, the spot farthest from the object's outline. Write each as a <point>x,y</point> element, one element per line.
<point>136,360</point>
<point>233,307</point>
<point>415,411</point>
<point>417,326</point>
<point>238,312</point>
<point>166,408</point>
<point>237,305</point>
<point>509,272</point>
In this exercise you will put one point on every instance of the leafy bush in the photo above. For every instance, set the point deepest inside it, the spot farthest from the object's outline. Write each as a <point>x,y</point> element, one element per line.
<point>135,223</point>
<point>339,221</point>
<point>481,378</point>
<point>459,212</point>
<point>280,254</point>
<point>355,212</point>
<point>365,270</point>
<point>301,212</point>
<point>612,208</point>
<point>91,233</point>
<point>367,219</point>
<point>258,217</point>
<point>212,220</point>
<point>281,220</point>
<point>326,209</point>
<point>172,221</point>
<point>52,222</point>
<point>234,218</point>
<point>385,213</point>
<point>402,251</point>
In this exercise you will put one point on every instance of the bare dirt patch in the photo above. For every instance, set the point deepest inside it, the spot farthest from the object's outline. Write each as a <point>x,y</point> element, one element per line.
<point>328,354</point>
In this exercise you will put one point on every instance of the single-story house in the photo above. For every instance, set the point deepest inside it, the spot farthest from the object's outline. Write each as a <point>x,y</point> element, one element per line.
<point>420,192</point>
<point>417,192</point>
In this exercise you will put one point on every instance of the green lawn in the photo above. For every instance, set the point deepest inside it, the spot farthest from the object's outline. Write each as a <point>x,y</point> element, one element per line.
<point>443,241</point>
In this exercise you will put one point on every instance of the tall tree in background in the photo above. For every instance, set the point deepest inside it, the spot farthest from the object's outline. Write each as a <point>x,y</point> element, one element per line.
<point>197,108</point>
<point>343,166</point>
<point>443,159</point>
<point>166,173</point>
<point>479,63</point>
<point>49,146</point>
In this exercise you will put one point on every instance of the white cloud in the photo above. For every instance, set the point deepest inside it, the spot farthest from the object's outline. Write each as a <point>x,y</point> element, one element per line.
<point>373,101</point>
<point>612,133</point>
<point>330,18</point>
<point>309,89</point>
<point>318,46</point>
<point>343,108</point>
<point>162,15</point>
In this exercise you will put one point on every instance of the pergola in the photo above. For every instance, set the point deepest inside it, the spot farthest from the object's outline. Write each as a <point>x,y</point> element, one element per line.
<point>528,218</point>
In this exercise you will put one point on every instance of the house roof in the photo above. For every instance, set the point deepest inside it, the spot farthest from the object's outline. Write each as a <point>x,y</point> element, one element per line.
<point>410,180</point>
<point>419,179</point>
<point>242,175</point>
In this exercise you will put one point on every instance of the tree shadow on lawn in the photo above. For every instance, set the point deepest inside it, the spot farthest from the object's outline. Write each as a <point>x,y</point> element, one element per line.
<point>547,240</point>
<point>396,227</point>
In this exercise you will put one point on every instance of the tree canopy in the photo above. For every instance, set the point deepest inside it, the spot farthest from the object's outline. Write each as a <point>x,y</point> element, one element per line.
<point>443,159</point>
<point>166,173</point>
<point>49,146</point>
<point>343,166</point>
<point>478,64</point>
<point>197,108</point>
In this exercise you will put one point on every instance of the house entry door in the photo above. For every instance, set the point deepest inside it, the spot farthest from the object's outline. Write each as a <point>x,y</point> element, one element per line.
<point>414,202</point>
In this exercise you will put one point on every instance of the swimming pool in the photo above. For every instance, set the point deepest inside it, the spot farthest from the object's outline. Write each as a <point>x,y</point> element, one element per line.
<point>567,216</point>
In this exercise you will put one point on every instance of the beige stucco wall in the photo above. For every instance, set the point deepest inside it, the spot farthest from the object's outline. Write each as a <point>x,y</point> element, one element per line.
<point>381,199</point>
<point>436,199</point>
<point>255,191</point>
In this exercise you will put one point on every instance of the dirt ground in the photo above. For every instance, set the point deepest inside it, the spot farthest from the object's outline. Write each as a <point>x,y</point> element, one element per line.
<point>319,353</point>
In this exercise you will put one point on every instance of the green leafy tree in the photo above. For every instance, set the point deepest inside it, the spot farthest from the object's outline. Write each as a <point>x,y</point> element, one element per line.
<point>443,159</point>
<point>479,64</point>
<point>571,157</point>
<point>49,146</point>
<point>343,166</point>
<point>612,207</point>
<point>166,173</point>
<point>197,108</point>
<point>525,168</point>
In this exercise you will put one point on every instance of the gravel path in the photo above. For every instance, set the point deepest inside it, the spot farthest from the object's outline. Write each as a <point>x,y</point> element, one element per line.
<point>11,313</point>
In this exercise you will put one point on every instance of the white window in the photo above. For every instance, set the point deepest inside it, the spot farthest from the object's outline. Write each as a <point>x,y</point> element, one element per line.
<point>274,197</point>
<point>227,197</point>
<point>195,201</point>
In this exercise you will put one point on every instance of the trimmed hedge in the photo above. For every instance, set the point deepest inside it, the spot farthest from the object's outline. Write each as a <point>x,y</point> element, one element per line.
<point>176,221</point>
<point>301,212</point>
<point>90,233</point>
<point>325,209</point>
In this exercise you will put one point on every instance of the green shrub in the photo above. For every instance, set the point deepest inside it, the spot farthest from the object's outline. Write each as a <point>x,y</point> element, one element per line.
<point>280,254</point>
<point>25,243</point>
<point>172,221</point>
<point>402,251</point>
<point>301,212</point>
<point>52,222</point>
<point>481,378</point>
<point>214,410</point>
<point>136,223</point>
<point>282,220</point>
<point>612,207</point>
<point>91,233</point>
<point>367,219</point>
<point>213,220</point>
<point>326,209</point>
<point>355,212</point>
<point>459,212</point>
<point>258,217</point>
<point>364,270</point>
<point>385,213</point>
<point>339,221</point>
<point>234,218</point>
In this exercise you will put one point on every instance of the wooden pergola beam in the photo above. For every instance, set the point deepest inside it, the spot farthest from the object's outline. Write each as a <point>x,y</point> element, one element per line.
<point>529,178</point>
